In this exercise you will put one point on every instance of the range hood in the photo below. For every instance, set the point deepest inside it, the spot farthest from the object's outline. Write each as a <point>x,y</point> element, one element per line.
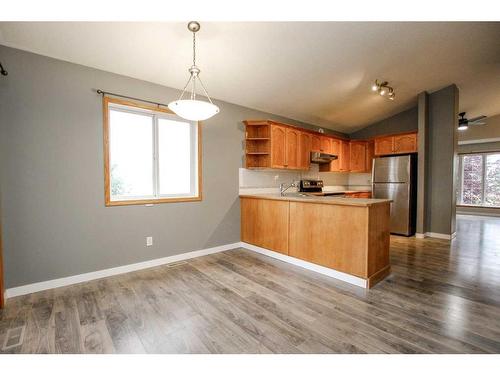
<point>322,158</point>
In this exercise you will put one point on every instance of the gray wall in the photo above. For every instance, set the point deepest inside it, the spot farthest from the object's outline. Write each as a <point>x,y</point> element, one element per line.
<point>479,147</point>
<point>406,121</point>
<point>491,130</point>
<point>423,161</point>
<point>442,153</point>
<point>54,220</point>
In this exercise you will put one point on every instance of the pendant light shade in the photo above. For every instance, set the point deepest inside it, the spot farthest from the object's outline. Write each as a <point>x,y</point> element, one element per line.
<point>193,109</point>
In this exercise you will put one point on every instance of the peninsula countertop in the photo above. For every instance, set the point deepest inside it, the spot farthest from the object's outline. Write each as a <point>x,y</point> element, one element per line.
<point>298,197</point>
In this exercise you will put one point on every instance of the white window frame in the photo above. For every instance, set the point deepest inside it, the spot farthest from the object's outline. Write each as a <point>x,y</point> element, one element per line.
<point>156,114</point>
<point>483,155</point>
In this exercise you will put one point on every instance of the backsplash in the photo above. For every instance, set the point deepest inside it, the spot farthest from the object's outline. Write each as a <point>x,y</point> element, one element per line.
<point>267,181</point>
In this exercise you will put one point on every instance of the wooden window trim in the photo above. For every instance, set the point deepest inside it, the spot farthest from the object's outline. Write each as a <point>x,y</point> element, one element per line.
<point>107,180</point>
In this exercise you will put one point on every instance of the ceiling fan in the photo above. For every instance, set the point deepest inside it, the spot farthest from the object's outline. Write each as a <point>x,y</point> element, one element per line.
<point>463,123</point>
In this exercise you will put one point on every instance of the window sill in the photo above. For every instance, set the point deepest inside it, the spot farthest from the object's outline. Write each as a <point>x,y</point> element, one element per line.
<point>151,201</point>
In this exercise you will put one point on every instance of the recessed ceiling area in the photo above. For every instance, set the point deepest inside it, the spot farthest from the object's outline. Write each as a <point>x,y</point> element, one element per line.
<point>316,72</point>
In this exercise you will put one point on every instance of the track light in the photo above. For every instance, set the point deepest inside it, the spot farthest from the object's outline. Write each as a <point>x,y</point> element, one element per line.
<point>383,89</point>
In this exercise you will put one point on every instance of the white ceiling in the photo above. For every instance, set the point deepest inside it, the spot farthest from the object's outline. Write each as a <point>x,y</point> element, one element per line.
<point>317,72</point>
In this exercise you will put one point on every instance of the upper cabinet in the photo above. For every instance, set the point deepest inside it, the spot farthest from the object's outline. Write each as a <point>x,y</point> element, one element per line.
<point>344,156</point>
<point>396,144</point>
<point>278,146</point>
<point>405,143</point>
<point>341,148</point>
<point>305,144</point>
<point>292,154</point>
<point>357,160</point>
<point>370,154</point>
<point>269,144</point>
<point>384,146</point>
<point>315,143</point>
<point>326,145</point>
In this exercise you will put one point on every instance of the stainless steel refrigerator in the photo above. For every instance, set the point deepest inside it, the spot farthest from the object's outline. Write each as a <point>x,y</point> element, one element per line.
<point>395,177</point>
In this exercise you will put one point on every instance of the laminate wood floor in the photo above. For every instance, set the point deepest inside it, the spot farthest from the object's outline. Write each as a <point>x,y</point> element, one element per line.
<point>442,297</point>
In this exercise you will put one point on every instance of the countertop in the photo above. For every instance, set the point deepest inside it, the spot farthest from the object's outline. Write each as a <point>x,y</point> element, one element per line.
<point>297,197</point>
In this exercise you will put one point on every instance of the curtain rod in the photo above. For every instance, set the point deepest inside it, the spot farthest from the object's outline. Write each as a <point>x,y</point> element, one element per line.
<point>102,92</point>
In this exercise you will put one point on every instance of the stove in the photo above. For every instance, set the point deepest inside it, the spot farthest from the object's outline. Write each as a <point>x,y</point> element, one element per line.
<point>314,187</point>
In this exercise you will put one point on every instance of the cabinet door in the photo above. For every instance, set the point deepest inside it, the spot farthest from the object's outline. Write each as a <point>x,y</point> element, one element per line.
<point>265,223</point>
<point>292,149</point>
<point>304,150</point>
<point>315,143</point>
<point>405,143</point>
<point>335,150</point>
<point>357,156</point>
<point>344,158</point>
<point>278,142</point>
<point>384,146</point>
<point>325,145</point>
<point>370,153</point>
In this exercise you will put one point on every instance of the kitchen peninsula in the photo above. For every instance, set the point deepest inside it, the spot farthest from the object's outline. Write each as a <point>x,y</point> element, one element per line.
<point>348,238</point>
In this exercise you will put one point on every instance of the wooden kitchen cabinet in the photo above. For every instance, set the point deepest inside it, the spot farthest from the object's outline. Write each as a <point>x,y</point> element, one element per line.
<point>340,148</point>
<point>265,223</point>
<point>370,154</point>
<point>292,154</point>
<point>269,144</point>
<point>326,145</point>
<point>305,140</point>
<point>357,156</point>
<point>405,143</point>
<point>396,144</point>
<point>359,194</point>
<point>344,156</point>
<point>315,143</point>
<point>384,145</point>
<point>349,237</point>
<point>278,146</point>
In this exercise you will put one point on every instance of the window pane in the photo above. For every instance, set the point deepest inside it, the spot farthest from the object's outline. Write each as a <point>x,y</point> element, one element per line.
<point>131,154</point>
<point>472,189</point>
<point>492,180</point>
<point>174,148</point>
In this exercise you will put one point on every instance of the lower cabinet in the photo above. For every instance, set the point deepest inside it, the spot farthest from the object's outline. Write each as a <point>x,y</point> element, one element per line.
<point>315,239</point>
<point>353,239</point>
<point>265,223</point>
<point>361,194</point>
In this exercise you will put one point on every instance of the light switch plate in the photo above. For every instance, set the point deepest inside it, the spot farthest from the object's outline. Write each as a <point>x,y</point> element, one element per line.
<point>149,241</point>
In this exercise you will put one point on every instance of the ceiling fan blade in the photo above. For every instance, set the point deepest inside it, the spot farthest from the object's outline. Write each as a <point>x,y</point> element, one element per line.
<point>476,118</point>
<point>477,123</point>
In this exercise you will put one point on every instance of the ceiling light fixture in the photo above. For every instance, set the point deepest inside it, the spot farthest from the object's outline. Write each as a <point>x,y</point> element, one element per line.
<point>383,89</point>
<point>193,109</point>
<point>463,127</point>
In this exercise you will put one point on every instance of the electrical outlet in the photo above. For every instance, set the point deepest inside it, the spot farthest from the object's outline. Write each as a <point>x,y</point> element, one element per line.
<point>149,241</point>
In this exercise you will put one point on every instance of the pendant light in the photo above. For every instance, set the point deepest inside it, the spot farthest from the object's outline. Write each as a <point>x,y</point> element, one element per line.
<point>192,108</point>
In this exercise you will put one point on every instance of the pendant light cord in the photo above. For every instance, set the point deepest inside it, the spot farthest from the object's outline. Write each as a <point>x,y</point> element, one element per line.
<point>194,48</point>
<point>193,78</point>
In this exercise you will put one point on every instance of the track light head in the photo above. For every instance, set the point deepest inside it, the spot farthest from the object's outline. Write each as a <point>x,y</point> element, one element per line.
<point>383,89</point>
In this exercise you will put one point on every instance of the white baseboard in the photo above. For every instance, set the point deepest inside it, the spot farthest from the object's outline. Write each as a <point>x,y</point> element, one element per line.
<point>70,280</point>
<point>419,235</point>
<point>441,236</point>
<point>65,281</point>
<point>358,281</point>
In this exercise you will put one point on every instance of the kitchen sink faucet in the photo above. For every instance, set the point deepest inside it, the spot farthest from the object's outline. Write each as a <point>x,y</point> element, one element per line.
<point>284,188</point>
